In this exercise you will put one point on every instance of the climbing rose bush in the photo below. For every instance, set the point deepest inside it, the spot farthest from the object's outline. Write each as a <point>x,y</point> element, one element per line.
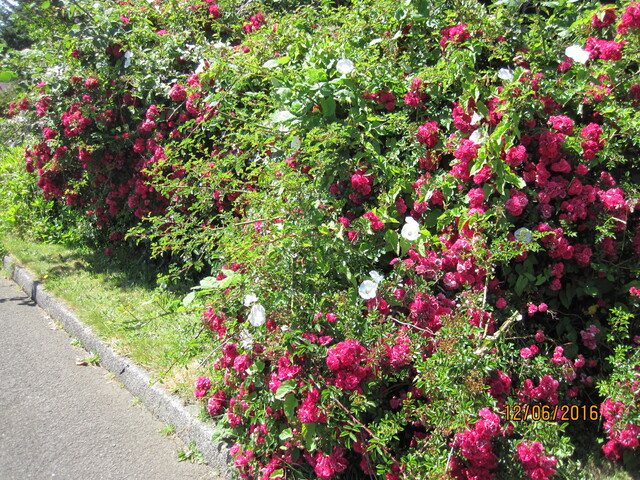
<point>415,226</point>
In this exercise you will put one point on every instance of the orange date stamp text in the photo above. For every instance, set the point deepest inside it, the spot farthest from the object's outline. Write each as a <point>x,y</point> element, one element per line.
<point>551,413</point>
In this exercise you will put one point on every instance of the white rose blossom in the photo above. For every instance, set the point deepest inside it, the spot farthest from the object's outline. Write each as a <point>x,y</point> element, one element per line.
<point>377,277</point>
<point>477,137</point>
<point>257,315</point>
<point>250,299</point>
<point>127,58</point>
<point>345,66</point>
<point>410,230</point>
<point>577,53</point>
<point>368,289</point>
<point>246,340</point>
<point>505,74</point>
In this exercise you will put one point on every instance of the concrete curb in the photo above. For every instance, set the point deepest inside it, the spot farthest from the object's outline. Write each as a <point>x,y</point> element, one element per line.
<point>169,409</point>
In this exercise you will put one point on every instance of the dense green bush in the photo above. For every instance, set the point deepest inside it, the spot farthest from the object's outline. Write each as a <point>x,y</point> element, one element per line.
<point>24,211</point>
<point>419,220</point>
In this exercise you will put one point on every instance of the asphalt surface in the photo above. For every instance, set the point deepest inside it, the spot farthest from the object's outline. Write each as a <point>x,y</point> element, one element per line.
<point>65,421</point>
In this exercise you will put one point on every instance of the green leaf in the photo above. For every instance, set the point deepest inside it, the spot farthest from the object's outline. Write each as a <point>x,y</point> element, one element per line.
<point>290,405</point>
<point>563,325</point>
<point>282,116</point>
<point>347,272</point>
<point>271,63</point>
<point>571,350</point>
<point>186,301</point>
<point>328,105</point>
<point>393,241</point>
<point>285,434</point>
<point>477,166</point>
<point>283,93</point>
<point>516,180</point>
<point>208,282</point>
<point>484,111</point>
<point>591,289</point>
<point>315,75</point>
<point>430,220</point>
<point>7,76</point>
<point>374,144</point>
<point>256,367</point>
<point>565,295</point>
<point>423,7</point>
<point>309,432</point>
<point>521,284</point>
<point>541,280</point>
<point>285,387</point>
<point>400,14</point>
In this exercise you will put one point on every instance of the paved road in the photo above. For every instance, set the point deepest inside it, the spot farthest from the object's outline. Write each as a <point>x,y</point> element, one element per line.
<point>63,421</point>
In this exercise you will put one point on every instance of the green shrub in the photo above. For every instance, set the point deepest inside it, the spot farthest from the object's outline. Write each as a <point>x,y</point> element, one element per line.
<point>420,221</point>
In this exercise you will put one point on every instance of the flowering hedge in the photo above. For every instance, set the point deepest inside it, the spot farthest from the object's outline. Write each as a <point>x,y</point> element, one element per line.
<point>420,221</point>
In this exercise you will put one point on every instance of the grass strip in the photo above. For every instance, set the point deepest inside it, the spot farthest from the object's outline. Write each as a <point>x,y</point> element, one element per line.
<point>118,298</point>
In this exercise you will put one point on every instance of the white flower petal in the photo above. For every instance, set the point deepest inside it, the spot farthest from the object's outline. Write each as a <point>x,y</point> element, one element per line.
<point>250,299</point>
<point>376,276</point>
<point>257,316</point>
<point>505,74</point>
<point>577,53</point>
<point>345,66</point>
<point>246,340</point>
<point>477,137</point>
<point>523,235</point>
<point>411,229</point>
<point>368,289</point>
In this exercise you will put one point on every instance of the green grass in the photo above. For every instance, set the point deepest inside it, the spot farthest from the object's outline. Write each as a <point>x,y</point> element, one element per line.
<point>92,359</point>
<point>118,298</point>
<point>167,430</point>
<point>190,454</point>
